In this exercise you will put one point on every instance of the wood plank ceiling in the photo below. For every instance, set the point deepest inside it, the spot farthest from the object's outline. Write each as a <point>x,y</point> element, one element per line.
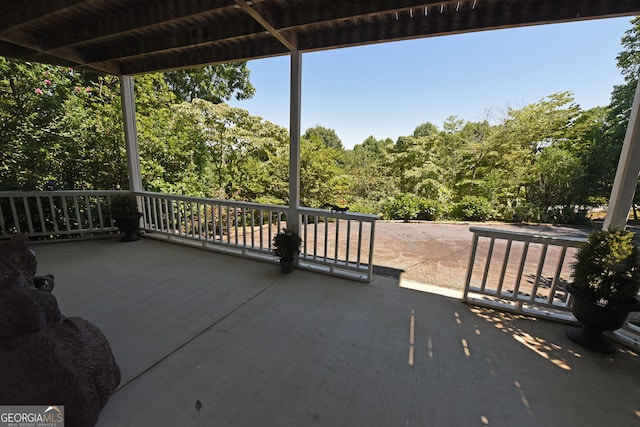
<point>140,36</point>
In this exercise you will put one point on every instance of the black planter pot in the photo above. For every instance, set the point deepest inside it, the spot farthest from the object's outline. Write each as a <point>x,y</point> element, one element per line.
<point>129,225</point>
<point>596,319</point>
<point>286,266</point>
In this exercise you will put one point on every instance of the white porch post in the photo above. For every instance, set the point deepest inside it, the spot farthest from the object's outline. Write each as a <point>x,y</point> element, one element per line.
<point>293,220</point>
<point>624,185</point>
<point>130,133</point>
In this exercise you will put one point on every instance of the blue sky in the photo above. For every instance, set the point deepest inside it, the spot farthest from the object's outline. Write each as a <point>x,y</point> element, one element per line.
<point>387,90</point>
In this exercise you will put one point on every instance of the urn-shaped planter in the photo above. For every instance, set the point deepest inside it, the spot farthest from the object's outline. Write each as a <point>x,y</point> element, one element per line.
<point>286,266</point>
<point>606,280</point>
<point>596,318</point>
<point>129,225</point>
<point>124,211</point>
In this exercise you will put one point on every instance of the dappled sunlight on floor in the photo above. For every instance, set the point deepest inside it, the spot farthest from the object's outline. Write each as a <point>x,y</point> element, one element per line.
<point>550,351</point>
<point>421,287</point>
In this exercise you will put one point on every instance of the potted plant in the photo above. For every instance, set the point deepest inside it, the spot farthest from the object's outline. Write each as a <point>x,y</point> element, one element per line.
<point>286,245</point>
<point>124,211</point>
<point>606,280</point>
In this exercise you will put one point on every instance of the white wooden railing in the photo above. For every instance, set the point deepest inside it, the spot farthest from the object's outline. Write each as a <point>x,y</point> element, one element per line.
<point>57,214</point>
<point>338,243</point>
<point>334,243</point>
<point>526,273</point>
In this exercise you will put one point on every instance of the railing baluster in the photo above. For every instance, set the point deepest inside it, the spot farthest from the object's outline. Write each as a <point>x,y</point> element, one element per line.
<point>25,203</point>
<point>41,214</point>
<point>220,224</point>
<point>472,259</point>
<point>359,244</point>
<point>87,201</point>
<point>206,221</point>
<point>65,209</point>
<point>326,237</point>
<point>487,264</point>
<point>505,263</point>
<point>252,224</point>
<point>100,216</point>
<point>76,207</point>
<point>229,225</point>
<point>157,213</point>
<point>3,224</point>
<point>182,213</point>
<point>348,240</point>
<point>556,276</point>
<point>536,282</point>
<point>243,219</point>
<point>315,237</point>
<point>16,218</point>
<point>198,219</point>
<point>260,228</point>
<point>523,260</point>
<point>305,240</point>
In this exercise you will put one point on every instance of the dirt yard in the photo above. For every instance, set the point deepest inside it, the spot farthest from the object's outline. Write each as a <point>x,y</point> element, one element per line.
<point>438,253</point>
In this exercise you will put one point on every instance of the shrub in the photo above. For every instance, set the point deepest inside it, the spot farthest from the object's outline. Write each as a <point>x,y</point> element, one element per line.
<point>430,210</point>
<point>566,215</point>
<point>404,206</point>
<point>473,208</point>
<point>364,207</point>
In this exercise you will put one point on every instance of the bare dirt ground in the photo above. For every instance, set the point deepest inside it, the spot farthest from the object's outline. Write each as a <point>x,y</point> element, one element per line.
<point>438,253</point>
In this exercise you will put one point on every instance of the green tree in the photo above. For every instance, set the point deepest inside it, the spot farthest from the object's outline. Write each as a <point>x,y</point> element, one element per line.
<point>370,179</point>
<point>328,136</point>
<point>238,148</point>
<point>32,97</point>
<point>426,129</point>
<point>321,179</point>
<point>213,83</point>
<point>91,135</point>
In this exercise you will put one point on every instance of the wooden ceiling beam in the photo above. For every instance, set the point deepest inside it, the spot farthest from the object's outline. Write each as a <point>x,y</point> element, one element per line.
<point>132,46</point>
<point>265,18</point>
<point>17,13</point>
<point>335,10</point>
<point>267,47</point>
<point>19,42</point>
<point>143,14</point>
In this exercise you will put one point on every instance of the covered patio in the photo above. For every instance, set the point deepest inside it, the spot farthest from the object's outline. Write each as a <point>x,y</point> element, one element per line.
<point>207,338</point>
<point>213,339</point>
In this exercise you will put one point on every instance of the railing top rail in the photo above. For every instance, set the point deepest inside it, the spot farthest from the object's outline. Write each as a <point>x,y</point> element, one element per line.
<point>213,200</point>
<point>325,212</point>
<point>262,206</point>
<point>571,241</point>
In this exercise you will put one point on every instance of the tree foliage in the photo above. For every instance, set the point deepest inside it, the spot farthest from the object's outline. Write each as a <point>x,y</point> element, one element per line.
<point>329,137</point>
<point>213,83</point>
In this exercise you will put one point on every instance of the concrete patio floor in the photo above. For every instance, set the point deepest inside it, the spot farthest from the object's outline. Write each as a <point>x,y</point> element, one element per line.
<point>205,339</point>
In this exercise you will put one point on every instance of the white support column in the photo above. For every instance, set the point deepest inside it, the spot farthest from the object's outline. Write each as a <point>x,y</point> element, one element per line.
<point>624,185</point>
<point>130,133</point>
<point>294,141</point>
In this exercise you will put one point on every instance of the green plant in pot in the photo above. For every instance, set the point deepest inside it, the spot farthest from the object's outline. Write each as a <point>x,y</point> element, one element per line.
<point>606,280</point>
<point>286,245</point>
<point>124,211</point>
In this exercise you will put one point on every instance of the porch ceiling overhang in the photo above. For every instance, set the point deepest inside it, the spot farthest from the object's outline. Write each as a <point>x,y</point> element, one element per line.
<point>140,36</point>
